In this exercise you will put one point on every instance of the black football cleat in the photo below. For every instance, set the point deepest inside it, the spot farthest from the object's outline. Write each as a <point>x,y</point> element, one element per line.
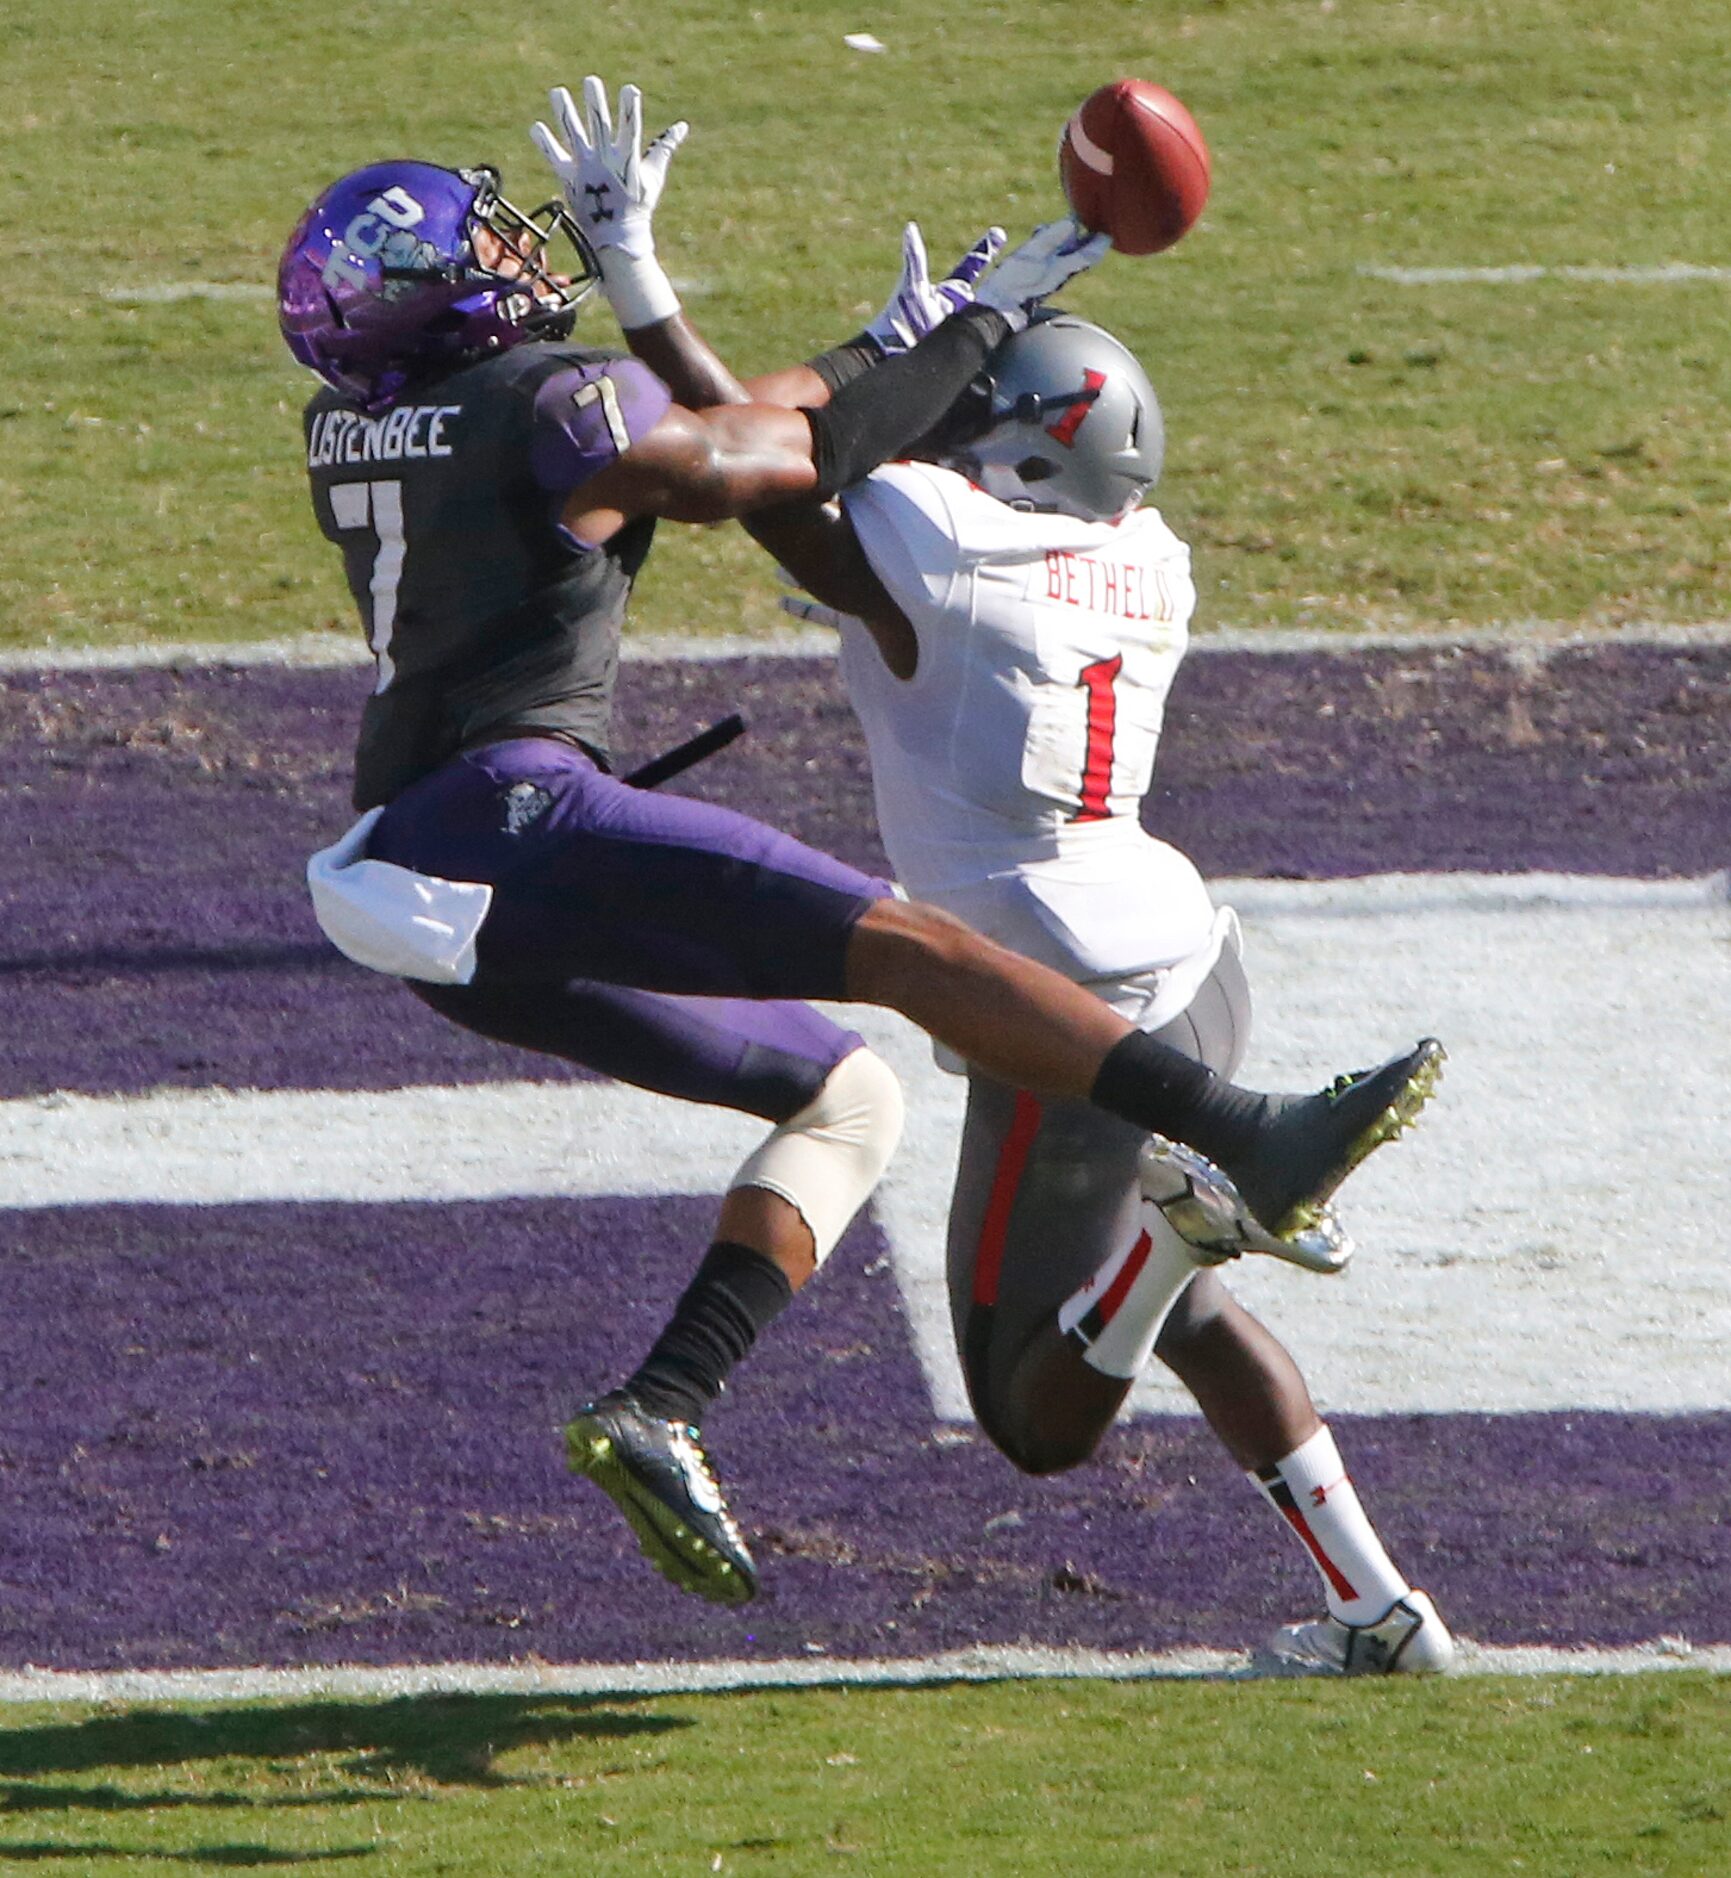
<point>1307,1145</point>
<point>658,1476</point>
<point>1208,1213</point>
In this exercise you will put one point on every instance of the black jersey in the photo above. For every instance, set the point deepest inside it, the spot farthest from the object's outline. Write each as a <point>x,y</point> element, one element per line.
<point>481,610</point>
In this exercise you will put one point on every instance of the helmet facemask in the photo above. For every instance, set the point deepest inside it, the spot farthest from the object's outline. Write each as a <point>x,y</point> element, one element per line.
<point>508,257</point>
<point>404,270</point>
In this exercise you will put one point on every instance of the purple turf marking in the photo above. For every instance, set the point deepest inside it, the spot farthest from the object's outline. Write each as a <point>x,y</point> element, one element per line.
<point>325,1434</point>
<point>1600,759</point>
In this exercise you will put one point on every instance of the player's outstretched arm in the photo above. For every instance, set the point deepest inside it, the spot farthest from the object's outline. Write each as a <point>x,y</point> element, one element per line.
<point>734,459</point>
<point>879,415</point>
<point>611,185</point>
<point>815,542</point>
<point>916,305</point>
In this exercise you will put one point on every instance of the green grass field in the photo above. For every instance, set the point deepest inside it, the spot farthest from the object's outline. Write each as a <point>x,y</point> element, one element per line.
<point>1459,1780</point>
<point>1346,452</point>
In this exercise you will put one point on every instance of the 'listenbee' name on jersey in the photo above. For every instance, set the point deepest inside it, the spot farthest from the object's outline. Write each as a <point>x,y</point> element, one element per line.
<point>410,432</point>
<point>483,612</point>
<point>1047,646</point>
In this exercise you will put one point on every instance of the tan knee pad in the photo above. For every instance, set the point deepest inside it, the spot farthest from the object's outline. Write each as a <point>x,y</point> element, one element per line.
<point>825,1160</point>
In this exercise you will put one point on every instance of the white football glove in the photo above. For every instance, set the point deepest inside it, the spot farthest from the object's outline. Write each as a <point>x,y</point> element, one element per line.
<point>611,185</point>
<point>918,303</point>
<point>1053,254</point>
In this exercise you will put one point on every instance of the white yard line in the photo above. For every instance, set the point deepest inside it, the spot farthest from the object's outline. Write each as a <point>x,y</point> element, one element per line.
<point>992,1663</point>
<point>214,1147</point>
<point>1669,274</point>
<point>165,292</point>
<point>1520,638</point>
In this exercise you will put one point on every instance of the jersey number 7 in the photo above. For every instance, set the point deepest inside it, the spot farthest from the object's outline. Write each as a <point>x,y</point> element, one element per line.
<point>378,506</point>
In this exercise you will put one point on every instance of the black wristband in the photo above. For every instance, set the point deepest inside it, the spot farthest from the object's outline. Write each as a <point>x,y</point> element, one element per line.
<point>841,365</point>
<point>878,415</point>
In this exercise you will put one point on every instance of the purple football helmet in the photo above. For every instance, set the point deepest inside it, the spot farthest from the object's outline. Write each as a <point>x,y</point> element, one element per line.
<point>402,269</point>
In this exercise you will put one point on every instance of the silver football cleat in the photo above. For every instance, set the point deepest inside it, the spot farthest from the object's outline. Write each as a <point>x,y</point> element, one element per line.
<point>1410,1640</point>
<point>1208,1213</point>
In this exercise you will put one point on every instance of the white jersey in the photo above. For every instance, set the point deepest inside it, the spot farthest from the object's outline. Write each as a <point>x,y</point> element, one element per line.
<point>1009,771</point>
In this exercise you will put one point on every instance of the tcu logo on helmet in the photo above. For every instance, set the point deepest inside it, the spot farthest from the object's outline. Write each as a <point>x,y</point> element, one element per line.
<point>380,232</point>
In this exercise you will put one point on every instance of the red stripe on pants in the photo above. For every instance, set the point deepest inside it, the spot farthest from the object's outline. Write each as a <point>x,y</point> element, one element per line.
<point>994,1229</point>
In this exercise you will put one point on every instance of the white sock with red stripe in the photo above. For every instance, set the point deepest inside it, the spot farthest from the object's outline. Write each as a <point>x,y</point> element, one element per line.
<point>1311,1492</point>
<point>1117,1314</point>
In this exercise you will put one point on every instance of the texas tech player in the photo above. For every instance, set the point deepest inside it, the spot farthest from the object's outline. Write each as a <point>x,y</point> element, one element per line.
<point>493,490</point>
<point>1012,622</point>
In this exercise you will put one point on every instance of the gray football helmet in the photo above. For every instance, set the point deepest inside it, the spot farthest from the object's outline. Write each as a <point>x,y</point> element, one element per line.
<point>1062,418</point>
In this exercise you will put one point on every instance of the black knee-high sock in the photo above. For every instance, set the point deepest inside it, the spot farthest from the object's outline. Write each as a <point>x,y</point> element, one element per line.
<point>737,1292</point>
<point>1156,1087</point>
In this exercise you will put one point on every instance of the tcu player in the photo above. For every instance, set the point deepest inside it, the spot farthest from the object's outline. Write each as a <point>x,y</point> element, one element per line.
<point>1011,621</point>
<point>493,490</point>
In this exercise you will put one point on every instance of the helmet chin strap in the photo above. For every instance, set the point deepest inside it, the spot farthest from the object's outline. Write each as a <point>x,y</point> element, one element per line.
<point>1032,408</point>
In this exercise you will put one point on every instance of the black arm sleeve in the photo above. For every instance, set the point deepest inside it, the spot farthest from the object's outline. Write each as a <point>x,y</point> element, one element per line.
<point>878,415</point>
<point>841,365</point>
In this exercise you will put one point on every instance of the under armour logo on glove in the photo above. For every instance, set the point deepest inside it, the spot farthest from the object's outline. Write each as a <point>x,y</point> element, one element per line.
<point>598,210</point>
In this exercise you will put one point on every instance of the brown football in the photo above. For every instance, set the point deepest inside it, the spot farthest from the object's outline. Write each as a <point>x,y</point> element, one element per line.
<point>1134,165</point>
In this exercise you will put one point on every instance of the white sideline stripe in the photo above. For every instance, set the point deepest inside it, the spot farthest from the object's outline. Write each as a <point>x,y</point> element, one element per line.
<point>165,292</point>
<point>1671,274</point>
<point>1535,639</point>
<point>986,1664</point>
<point>1377,896</point>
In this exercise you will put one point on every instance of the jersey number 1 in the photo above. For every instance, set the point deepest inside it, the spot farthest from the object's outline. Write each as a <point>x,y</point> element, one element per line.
<point>378,506</point>
<point>1097,681</point>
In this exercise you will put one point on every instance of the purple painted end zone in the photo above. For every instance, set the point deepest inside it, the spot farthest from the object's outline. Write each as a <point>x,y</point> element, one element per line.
<point>325,1433</point>
<point>314,1434</point>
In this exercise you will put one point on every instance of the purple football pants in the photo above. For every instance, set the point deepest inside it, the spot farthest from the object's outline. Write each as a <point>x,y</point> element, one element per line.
<point>658,940</point>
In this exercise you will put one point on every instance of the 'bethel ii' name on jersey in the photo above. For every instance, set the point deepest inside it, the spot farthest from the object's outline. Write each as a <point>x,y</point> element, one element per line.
<point>483,613</point>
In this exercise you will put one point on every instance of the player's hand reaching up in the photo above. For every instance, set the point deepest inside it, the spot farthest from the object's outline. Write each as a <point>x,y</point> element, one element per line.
<point>1053,254</point>
<point>919,302</point>
<point>611,185</point>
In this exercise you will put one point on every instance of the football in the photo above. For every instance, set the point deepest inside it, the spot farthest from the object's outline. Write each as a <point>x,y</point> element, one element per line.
<point>1134,166</point>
